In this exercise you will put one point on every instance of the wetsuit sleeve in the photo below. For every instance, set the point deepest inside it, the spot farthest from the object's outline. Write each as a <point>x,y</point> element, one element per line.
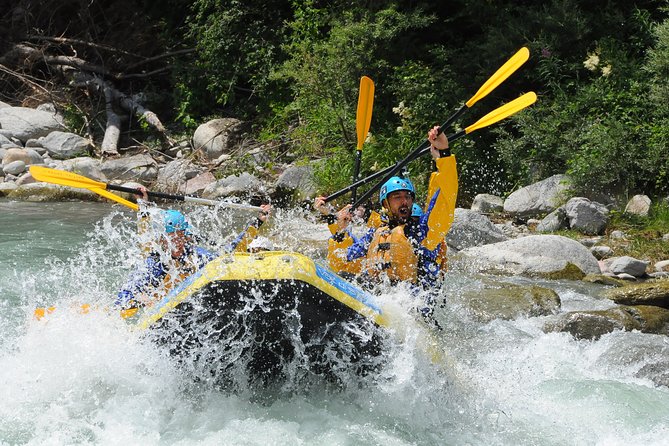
<point>139,280</point>
<point>443,188</point>
<point>203,256</point>
<point>360,246</point>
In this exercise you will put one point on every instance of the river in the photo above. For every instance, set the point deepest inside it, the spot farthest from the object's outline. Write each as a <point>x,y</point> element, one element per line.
<point>88,379</point>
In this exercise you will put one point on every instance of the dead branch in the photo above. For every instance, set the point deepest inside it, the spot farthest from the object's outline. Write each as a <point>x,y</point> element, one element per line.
<point>70,41</point>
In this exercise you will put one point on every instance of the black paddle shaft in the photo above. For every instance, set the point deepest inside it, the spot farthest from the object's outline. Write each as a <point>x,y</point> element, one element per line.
<point>150,194</point>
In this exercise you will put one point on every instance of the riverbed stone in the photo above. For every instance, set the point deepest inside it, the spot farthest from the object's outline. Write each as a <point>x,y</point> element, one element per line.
<point>648,293</point>
<point>638,205</point>
<point>662,266</point>
<point>601,252</point>
<point>218,136</point>
<point>199,183</point>
<point>509,301</point>
<point>26,178</point>
<point>539,198</point>
<point>6,187</point>
<point>41,192</point>
<point>172,176</point>
<point>487,204</point>
<point>547,256</point>
<point>243,185</point>
<point>85,166</point>
<point>65,145</point>
<point>28,156</point>
<point>603,280</point>
<point>26,123</point>
<point>587,216</point>
<point>14,168</point>
<point>296,183</point>
<point>471,228</point>
<point>140,167</point>
<point>628,265</point>
<point>554,221</point>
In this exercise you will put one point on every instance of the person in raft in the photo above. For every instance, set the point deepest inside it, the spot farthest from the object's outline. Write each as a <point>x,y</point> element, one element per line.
<point>160,273</point>
<point>402,247</point>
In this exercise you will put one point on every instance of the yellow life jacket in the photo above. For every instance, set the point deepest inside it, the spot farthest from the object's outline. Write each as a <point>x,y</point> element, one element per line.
<point>153,295</point>
<point>337,249</point>
<point>390,252</point>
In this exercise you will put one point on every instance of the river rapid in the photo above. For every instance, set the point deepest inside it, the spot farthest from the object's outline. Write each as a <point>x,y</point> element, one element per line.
<point>88,379</point>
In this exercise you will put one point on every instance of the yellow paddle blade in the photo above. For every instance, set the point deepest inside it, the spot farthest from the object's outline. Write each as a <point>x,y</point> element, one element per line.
<point>504,111</point>
<point>363,117</point>
<point>105,193</point>
<point>506,70</point>
<point>63,178</point>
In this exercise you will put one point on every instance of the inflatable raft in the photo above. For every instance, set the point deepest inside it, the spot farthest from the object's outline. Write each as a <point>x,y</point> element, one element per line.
<point>268,315</point>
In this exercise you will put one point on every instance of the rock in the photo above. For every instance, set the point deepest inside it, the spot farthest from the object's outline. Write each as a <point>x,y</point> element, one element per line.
<point>659,275</point>
<point>296,183</point>
<point>4,105</point>
<point>14,168</point>
<point>649,293</point>
<point>590,241</point>
<point>65,145</point>
<point>85,166</point>
<point>4,141</point>
<point>50,192</point>
<point>140,167</point>
<point>509,301</point>
<point>217,137</point>
<point>593,324</point>
<point>554,221</point>
<point>472,229</point>
<point>199,183</point>
<point>28,156</point>
<point>538,198</point>
<point>662,266</point>
<point>26,123</point>
<point>510,230</point>
<point>601,252</point>
<point>243,185</point>
<point>487,203</point>
<point>665,237</point>
<point>617,235</point>
<point>26,178</point>
<point>638,205</point>
<point>603,280</point>
<point>625,276</point>
<point>6,188</point>
<point>547,256</point>
<point>628,265</point>
<point>172,176</point>
<point>587,216</point>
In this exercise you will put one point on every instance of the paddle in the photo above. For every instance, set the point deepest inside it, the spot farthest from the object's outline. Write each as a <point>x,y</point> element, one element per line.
<point>64,178</point>
<point>491,118</point>
<point>506,70</point>
<point>363,119</point>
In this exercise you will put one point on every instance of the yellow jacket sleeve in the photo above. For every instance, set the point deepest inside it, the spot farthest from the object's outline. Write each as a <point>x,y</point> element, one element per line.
<point>444,180</point>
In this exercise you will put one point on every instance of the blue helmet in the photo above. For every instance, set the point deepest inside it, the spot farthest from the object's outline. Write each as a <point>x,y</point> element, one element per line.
<point>174,221</point>
<point>395,184</point>
<point>416,211</point>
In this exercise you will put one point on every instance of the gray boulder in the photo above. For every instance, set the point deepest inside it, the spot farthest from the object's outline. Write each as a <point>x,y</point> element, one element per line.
<point>472,229</point>
<point>244,184</point>
<point>628,265</point>
<point>217,137</point>
<point>14,168</point>
<point>662,266</point>
<point>554,221</point>
<point>638,205</point>
<point>587,216</point>
<point>65,145</point>
<point>601,252</point>
<point>487,203</point>
<point>139,167</point>
<point>6,187</point>
<point>86,166</point>
<point>28,156</point>
<point>296,182</point>
<point>6,142</point>
<point>199,183</point>
<point>538,198</point>
<point>649,293</point>
<point>50,192</point>
<point>26,123</point>
<point>172,176</point>
<point>547,256</point>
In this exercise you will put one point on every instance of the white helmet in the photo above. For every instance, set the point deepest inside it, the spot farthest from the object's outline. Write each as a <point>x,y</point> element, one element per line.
<point>261,243</point>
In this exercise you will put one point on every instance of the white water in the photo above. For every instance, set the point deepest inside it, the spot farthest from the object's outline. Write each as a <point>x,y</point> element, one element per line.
<point>87,379</point>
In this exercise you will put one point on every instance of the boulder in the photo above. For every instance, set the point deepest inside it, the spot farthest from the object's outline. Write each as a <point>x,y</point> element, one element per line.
<point>297,183</point>
<point>6,187</point>
<point>50,192</point>
<point>472,229</point>
<point>662,266</point>
<point>14,168</point>
<point>587,216</point>
<point>199,183</point>
<point>601,252</point>
<point>538,198</point>
<point>28,156</point>
<point>603,280</point>
<point>26,123</point>
<point>6,142</point>
<point>65,145</point>
<point>487,203</point>
<point>649,293</point>
<point>509,301</point>
<point>217,137</point>
<point>638,205</point>
<point>547,256</point>
<point>554,221</point>
<point>85,166</point>
<point>172,176</point>
<point>628,265</point>
<point>244,185</point>
<point>140,167</point>
<point>26,178</point>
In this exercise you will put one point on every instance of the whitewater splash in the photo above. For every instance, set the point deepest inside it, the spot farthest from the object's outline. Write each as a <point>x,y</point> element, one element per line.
<point>88,378</point>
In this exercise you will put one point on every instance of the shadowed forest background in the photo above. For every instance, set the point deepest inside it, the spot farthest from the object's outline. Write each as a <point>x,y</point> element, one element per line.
<point>291,69</point>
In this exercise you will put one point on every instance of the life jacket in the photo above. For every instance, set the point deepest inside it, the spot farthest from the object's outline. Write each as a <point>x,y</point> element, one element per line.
<point>442,258</point>
<point>338,246</point>
<point>392,253</point>
<point>167,283</point>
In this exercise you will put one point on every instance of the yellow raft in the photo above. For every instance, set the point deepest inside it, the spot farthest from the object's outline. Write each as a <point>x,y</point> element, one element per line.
<point>268,312</point>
